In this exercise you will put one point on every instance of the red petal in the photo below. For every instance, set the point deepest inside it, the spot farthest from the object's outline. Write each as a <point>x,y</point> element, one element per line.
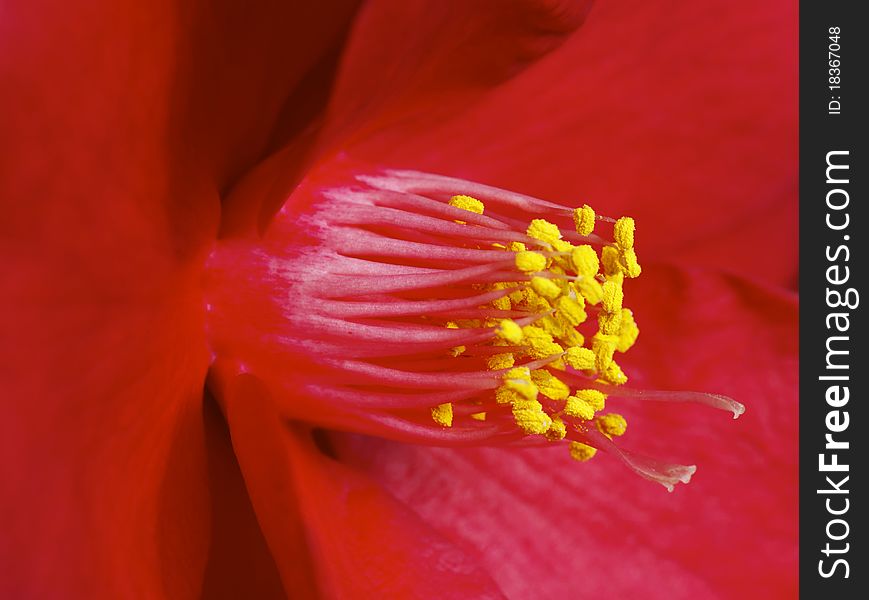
<point>683,117</point>
<point>364,542</point>
<point>120,123</point>
<point>547,526</point>
<point>407,60</point>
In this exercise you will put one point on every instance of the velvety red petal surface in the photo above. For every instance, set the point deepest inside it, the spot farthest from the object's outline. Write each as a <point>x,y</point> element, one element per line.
<point>550,527</point>
<point>120,124</point>
<point>364,542</point>
<point>682,115</point>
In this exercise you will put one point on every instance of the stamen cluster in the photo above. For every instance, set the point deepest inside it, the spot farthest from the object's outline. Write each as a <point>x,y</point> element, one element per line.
<point>549,369</point>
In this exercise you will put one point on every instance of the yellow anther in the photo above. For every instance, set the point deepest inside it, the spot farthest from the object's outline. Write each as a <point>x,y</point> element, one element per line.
<point>613,293</point>
<point>614,375</point>
<point>558,363</point>
<point>584,261</point>
<point>544,231</point>
<point>551,325</point>
<point>505,395</point>
<point>500,361</point>
<point>556,431</point>
<point>590,289</point>
<point>603,346</point>
<point>530,300</point>
<point>561,245</point>
<point>579,408</point>
<point>581,452</point>
<point>467,203</point>
<point>594,398</point>
<point>583,218</point>
<point>571,311</point>
<point>623,232</point>
<point>609,258</point>
<point>442,414</point>
<point>549,385</point>
<point>529,416</point>
<point>572,338</point>
<point>525,389</point>
<point>628,331</point>
<point>581,359</point>
<point>546,287</point>
<point>516,247</point>
<point>508,330</point>
<point>629,263</point>
<point>519,374</point>
<point>451,325</point>
<point>502,303</point>
<point>530,262</point>
<point>611,425</point>
<point>609,323</point>
<point>480,416</point>
<point>538,343</point>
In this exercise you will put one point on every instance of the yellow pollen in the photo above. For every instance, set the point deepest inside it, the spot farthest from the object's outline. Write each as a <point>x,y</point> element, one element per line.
<point>581,452</point>
<point>558,364</point>
<point>556,431</point>
<point>585,261</point>
<point>468,203</point>
<point>549,385</point>
<point>442,414</point>
<point>594,398</point>
<point>557,280</point>
<point>530,417</point>
<point>500,361</point>
<point>505,395</point>
<point>609,258</point>
<point>628,331</point>
<point>546,287</point>
<point>611,425</point>
<point>613,294</point>
<point>508,330</point>
<point>579,408</point>
<point>603,347</point>
<point>581,359</point>
<point>629,263</point>
<point>532,301</point>
<point>539,343</point>
<point>561,245</point>
<point>544,231</point>
<point>552,326</point>
<point>590,289</point>
<point>573,338</point>
<point>614,375</point>
<point>623,233</point>
<point>570,310</point>
<point>519,374</point>
<point>609,323</point>
<point>530,262</point>
<point>583,219</point>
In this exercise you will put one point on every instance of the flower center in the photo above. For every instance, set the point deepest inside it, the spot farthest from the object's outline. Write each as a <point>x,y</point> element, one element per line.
<point>446,311</point>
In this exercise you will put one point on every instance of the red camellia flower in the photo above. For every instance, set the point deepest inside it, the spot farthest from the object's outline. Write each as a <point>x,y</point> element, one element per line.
<point>274,324</point>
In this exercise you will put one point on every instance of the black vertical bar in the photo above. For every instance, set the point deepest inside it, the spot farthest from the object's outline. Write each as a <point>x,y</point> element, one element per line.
<point>833,263</point>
